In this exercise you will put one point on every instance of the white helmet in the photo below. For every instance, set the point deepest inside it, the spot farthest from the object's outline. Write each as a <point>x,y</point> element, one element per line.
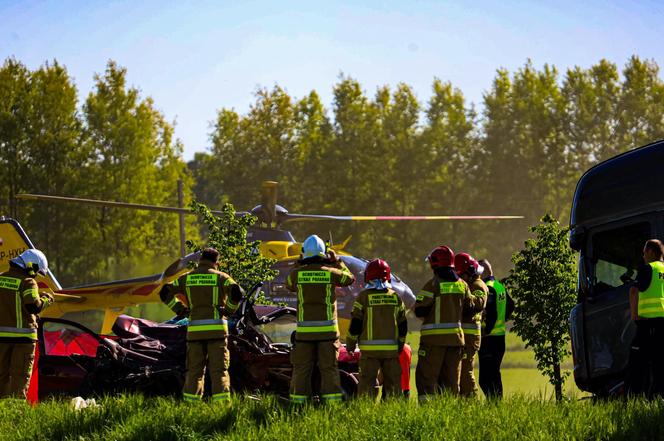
<point>313,246</point>
<point>32,260</point>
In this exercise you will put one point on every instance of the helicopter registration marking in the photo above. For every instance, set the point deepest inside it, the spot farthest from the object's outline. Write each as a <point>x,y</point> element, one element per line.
<point>11,254</point>
<point>314,277</point>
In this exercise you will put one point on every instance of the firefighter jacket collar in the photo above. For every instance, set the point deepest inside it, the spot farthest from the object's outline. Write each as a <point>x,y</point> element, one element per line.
<point>315,260</point>
<point>207,264</point>
<point>377,284</point>
<point>447,274</point>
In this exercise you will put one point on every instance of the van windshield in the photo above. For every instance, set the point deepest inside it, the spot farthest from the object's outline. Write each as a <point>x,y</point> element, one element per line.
<point>616,255</point>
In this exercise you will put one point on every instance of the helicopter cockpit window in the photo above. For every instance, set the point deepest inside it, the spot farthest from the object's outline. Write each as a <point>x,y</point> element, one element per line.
<point>616,255</point>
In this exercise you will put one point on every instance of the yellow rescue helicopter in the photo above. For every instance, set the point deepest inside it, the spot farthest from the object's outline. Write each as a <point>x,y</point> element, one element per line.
<point>277,243</point>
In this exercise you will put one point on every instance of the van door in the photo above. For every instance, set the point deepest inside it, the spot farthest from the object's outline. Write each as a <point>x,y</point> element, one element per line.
<point>614,253</point>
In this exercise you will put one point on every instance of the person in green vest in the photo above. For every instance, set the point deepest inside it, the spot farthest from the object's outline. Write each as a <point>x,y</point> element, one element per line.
<point>499,309</point>
<point>646,300</point>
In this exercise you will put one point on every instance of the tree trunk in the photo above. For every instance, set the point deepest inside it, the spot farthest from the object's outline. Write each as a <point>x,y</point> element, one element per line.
<point>558,382</point>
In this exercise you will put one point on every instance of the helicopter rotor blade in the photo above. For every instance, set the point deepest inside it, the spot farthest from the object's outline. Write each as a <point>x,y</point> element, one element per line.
<point>269,190</point>
<point>102,203</point>
<point>292,217</point>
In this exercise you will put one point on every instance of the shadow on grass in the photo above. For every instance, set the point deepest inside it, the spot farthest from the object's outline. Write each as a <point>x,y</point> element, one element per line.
<point>642,422</point>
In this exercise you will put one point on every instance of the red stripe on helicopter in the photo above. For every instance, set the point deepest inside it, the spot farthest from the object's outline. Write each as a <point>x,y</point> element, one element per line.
<point>388,218</point>
<point>145,290</point>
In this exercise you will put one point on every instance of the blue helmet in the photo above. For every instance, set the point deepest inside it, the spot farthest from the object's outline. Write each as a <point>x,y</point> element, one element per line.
<point>313,246</point>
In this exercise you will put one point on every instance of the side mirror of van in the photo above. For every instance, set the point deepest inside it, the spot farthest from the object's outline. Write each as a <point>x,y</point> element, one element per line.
<point>577,238</point>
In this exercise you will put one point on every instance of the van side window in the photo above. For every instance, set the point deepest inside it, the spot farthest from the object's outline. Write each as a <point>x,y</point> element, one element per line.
<point>616,255</point>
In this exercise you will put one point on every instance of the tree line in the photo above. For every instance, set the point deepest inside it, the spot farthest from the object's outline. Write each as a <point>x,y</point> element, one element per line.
<point>114,145</point>
<point>388,151</point>
<point>521,153</point>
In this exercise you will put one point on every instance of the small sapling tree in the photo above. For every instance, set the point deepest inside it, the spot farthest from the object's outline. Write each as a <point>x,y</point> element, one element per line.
<point>543,285</point>
<point>227,233</point>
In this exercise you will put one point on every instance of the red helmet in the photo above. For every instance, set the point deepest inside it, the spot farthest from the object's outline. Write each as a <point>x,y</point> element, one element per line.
<point>465,264</point>
<point>377,269</point>
<point>441,256</point>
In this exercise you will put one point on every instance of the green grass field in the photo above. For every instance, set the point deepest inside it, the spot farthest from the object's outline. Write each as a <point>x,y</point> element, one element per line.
<point>519,370</point>
<point>527,412</point>
<point>518,417</point>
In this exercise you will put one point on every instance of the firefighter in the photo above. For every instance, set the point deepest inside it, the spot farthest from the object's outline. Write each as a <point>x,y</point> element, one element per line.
<point>20,302</point>
<point>440,304</point>
<point>208,296</point>
<point>646,299</point>
<point>317,334</point>
<point>379,322</point>
<point>499,309</point>
<point>469,270</point>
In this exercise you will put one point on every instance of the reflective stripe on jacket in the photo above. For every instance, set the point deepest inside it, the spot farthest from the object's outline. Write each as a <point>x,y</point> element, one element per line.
<point>207,293</point>
<point>17,290</point>
<point>445,300</point>
<point>315,284</point>
<point>381,312</point>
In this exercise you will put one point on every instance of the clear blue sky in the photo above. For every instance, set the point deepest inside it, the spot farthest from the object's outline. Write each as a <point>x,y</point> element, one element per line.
<point>194,58</point>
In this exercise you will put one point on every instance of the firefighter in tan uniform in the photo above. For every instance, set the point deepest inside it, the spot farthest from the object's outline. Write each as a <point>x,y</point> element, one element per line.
<point>317,334</point>
<point>20,302</point>
<point>440,303</point>
<point>208,296</point>
<point>470,272</point>
<point>379,321</point>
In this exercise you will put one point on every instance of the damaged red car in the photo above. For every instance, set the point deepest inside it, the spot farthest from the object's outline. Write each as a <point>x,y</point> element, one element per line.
<point>148,357</point>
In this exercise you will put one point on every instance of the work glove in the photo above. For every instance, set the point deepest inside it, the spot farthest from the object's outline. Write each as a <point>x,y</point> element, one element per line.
<point>184,313</point>
<point>47,297</point>
<point>400,346</point>
<point>332,255</point>
<point>351,344</point>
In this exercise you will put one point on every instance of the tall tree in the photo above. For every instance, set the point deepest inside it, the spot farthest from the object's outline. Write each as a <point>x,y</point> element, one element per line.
<point>135,160</point>
<point>247,150</point>
<point>14,86</point>
<point>641,106</point>
<point>591,96</point>
<point>312,140</point>
<point>56,154</point>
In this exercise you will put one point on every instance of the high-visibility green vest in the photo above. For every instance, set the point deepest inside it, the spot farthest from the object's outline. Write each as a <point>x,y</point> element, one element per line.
<point>501,307</point>
<point>438,326</point>
<point>651,301</point>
